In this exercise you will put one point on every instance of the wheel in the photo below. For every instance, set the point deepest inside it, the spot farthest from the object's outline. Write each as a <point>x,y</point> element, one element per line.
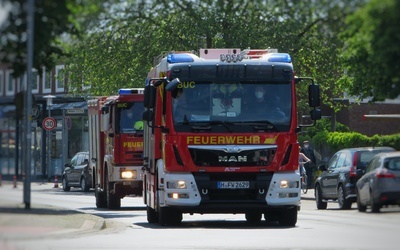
<point>101,201</point>
<point>271,217</point>
<point>343,202</point>
<point>304,186</point>
<point>168,217</point>
<point>318,198</point>
<point>288,218</point>
<point>84,185</point>
<point>360,206</point>
<point>113,201</point>
<point>253,217</point>
<point>375,206</point>
<point>152,215</point>
<point>65,184</point>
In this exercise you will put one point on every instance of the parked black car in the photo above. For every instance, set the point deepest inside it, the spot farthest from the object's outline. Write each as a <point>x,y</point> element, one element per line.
<point>337,182</point>
<point>77,173</point>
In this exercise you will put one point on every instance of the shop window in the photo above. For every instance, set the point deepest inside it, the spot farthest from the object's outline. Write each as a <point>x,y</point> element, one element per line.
<point>1,82</point>
<point>10,83</point>
<point>47,78</point>
<point>60,78</point>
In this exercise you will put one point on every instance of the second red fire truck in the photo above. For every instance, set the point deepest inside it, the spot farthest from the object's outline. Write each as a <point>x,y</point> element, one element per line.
<point>116,146</point>
<point>220,135</point>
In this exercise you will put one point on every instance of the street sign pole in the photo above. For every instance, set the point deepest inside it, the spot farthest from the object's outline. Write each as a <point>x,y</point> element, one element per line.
<point>28,106</point>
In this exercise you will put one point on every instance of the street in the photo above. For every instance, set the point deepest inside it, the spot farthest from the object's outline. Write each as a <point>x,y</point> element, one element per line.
<point>128,228</point>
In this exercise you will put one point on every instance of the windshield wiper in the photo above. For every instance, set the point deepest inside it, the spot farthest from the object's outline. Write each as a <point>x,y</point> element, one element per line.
<point>263,125</point>
<point>208,125</point>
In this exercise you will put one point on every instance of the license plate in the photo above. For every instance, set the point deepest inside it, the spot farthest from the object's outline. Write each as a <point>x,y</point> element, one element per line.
<point>233,184</point>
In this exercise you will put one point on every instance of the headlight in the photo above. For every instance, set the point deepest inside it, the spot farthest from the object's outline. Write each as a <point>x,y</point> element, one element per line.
<point>176,184</point>
<point>128,175</point>
<point>289,184</point>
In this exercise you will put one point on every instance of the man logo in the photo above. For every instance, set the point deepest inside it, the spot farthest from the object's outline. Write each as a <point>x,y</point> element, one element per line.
<point>232,158</point>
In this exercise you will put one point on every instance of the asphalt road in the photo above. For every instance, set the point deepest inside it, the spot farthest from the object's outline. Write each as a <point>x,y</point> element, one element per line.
<point>69,220</point>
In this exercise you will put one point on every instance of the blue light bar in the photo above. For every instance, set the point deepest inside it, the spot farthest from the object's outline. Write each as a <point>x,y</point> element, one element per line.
<point>178,58</point>
<point>130,91</point>
<point>280,57</point>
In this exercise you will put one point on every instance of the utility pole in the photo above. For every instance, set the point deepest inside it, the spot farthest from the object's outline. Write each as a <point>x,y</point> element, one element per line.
<point>28,105</point>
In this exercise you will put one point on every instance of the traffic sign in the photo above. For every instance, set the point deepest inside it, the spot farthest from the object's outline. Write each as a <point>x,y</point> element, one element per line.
<point>49,123</point>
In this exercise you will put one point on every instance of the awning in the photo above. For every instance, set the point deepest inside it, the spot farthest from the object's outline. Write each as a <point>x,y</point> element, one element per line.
<point>69,106</point>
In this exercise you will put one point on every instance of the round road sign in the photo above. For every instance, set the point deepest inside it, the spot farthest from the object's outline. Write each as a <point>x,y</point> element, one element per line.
<point>49,123</point>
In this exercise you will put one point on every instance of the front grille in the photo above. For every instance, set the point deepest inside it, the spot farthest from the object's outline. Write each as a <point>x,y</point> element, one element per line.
<point>134,157</point>
<point>232,156</point>
<point>207,184</point>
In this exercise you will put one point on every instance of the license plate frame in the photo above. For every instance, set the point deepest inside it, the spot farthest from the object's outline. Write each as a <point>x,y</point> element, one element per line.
<point>233,184</point>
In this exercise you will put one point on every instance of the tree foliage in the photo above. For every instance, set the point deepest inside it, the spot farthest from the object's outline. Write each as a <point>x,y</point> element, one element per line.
<point>120,50</point>
<point>51,20</point>
<point>371,54</point>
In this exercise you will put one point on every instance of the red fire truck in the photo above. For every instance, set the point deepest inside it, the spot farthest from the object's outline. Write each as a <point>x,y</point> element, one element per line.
<point>116,146</point>
<point>220,135</point>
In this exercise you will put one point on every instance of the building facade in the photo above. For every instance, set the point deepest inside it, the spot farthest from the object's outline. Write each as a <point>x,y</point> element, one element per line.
<point>51,148</point>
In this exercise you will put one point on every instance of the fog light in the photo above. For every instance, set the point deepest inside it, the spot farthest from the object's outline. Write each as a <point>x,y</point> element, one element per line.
<point>125,174</point>
<point>178,196</point>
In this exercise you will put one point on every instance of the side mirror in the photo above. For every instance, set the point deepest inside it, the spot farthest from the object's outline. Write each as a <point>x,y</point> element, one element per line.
<point>322,167</point>
<point>315,114</point>
<point>172,84</point>
<point>148,115</point>
<point>313,95</point>
<point>149,96</point>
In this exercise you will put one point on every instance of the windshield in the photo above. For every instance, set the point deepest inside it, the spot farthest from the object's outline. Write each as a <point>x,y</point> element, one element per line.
<point>232,107</point>
<point>130,117</point>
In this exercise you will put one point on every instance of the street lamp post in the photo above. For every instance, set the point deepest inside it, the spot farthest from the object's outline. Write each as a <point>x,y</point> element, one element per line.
<point>49,103</point>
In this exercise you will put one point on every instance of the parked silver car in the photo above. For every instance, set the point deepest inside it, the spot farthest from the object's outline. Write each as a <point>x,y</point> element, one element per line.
<point>77,173</point>
<point>380,185</point>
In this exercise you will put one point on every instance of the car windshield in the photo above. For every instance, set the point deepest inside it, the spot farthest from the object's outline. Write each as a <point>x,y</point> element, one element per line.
<point>244,106</point>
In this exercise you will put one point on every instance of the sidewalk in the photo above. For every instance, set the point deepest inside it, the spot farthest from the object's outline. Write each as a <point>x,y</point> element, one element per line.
<point>40,221</point>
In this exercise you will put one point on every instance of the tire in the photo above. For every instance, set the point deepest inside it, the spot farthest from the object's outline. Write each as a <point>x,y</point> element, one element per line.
<point>360,206</point>
<point>304,185</point>
<point>66,188</point>
<point>101,201</point>
<point>113,201</point>
<point>288,218</point>
<point>169,217</point>
<point>375,206</point>
<point>253,217</point>
<point>84,185</point>
<point>342,201</point>
<point>318,198</point>
<point>152,215</point>
<point>271,217</point>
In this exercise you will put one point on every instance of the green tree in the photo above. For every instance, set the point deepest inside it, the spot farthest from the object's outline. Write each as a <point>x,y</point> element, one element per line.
<point>371,53</point>
<point>53,21</point>
<point>120,50</point>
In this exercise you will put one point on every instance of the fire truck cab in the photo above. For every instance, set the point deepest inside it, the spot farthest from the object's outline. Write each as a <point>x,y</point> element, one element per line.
<point>116,146</point>
<point>220,135</point>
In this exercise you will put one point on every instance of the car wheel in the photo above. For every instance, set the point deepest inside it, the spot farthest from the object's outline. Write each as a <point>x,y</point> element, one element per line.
<point>360,206</point>
<point>84,185</point>
<point>318,198</point>
<point>343,202</point>
<point>375,206</point>
<point>65,184</point>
